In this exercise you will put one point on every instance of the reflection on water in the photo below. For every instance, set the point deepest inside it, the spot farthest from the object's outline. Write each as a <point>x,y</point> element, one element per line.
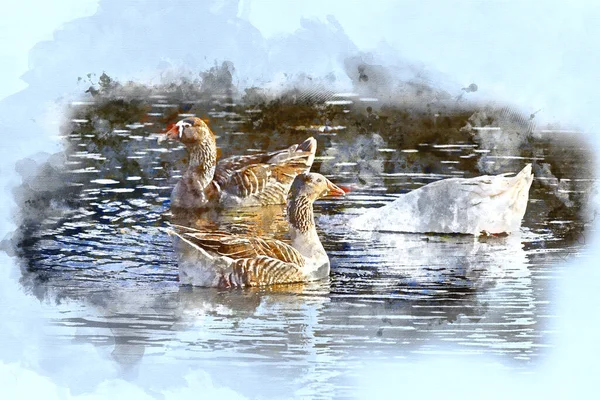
<point>95,233</point>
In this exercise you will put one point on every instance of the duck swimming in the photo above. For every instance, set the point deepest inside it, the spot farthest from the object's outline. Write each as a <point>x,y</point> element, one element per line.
<point>239,181</point>
<point>481,205</point>
<point>218,259</point>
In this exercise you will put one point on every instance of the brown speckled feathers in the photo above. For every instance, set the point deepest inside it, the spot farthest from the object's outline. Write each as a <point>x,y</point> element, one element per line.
<point>238,247</point>
<point>238,181</point>
<point>299,156</point>
<point>265,176</point>
<point>257,261</point>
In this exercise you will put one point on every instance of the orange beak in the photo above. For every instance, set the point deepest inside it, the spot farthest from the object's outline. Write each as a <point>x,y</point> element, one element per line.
<point>172,133</point>
<point>333,190</point>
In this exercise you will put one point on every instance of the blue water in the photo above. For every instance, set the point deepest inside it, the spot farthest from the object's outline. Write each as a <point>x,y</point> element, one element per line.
<point>99,253</point>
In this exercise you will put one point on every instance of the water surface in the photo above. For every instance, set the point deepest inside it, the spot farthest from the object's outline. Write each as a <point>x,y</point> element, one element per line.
<point>96,248</point>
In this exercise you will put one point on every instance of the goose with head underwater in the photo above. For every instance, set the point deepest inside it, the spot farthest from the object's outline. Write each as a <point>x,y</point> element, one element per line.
<point>239,181</point>
<point>483,205</point>
<point>217,259</point>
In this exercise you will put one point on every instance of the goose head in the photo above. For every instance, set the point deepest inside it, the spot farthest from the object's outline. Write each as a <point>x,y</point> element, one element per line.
<point>189,131</point>
<point>313,186</point>
<point>306,188</point>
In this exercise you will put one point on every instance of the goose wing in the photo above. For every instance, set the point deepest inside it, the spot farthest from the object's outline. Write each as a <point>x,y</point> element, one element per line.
<point>301,155</point>
<point>241,247</point>
<point>256,261</point>
<point>267,183</point>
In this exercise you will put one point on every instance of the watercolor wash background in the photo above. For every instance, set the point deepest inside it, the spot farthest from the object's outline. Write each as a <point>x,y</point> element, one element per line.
<point>535,55</point>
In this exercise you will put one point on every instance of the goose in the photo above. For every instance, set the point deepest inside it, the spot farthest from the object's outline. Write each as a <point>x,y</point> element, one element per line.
<point>239,181</point>
<point>484,205</point>
<point>220,259</point>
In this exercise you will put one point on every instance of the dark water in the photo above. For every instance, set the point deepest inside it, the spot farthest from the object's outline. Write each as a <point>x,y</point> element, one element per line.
<point>94,244</point>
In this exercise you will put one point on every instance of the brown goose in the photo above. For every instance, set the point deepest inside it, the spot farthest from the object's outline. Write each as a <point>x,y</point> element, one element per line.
<point>217,259</point>
<point>252,180</point>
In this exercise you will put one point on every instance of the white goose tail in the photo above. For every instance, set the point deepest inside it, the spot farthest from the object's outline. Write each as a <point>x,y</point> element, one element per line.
<point>196,266</point>
<point>519,195</point>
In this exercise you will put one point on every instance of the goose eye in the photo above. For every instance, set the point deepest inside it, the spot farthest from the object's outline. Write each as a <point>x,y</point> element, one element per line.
<point>319,180</point>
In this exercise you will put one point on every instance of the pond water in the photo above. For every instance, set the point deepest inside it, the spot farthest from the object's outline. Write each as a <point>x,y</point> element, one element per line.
<point>97,248</point>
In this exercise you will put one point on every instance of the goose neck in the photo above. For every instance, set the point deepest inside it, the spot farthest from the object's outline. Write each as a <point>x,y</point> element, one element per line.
<point>202,161</point>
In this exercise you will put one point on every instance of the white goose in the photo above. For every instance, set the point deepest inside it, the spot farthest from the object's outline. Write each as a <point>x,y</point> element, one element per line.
<point>217,259</point>
<point>481,205</point>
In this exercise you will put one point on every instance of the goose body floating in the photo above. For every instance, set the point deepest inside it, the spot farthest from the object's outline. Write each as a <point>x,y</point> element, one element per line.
<point>477,206</point>
<point>218,259</point>
<point>239,181</point>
